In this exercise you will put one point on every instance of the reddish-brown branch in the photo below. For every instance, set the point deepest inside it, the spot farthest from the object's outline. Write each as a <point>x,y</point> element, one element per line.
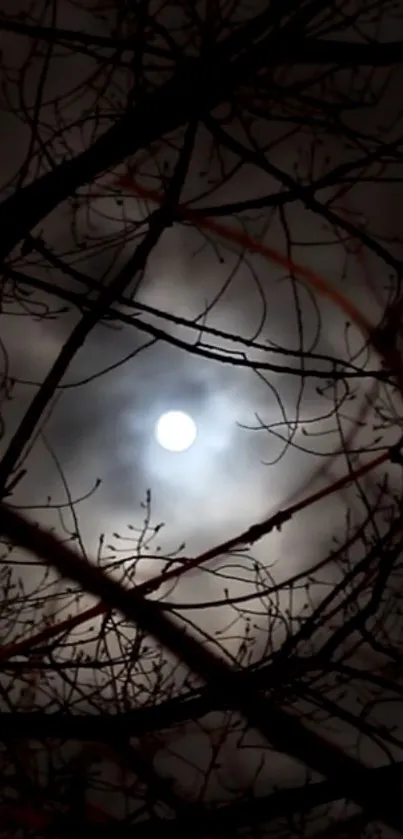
<point>285,732</point>
<point>247,537</point>
<point>390,356</point>
<point>293,506</point>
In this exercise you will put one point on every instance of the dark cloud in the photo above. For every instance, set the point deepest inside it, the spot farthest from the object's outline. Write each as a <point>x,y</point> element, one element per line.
<point>261,438</point>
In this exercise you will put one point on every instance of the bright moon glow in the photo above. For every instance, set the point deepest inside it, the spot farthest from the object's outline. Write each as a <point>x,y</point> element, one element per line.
<point>176,431</point>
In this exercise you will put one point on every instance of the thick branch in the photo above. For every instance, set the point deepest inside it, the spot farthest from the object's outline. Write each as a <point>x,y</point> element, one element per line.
<point>74,342</point>
<point>345,371</point>
<point>302,51</point>
<point>304,194</point>
<point>323,51</point>
<point>53,35</point>
<point>157,223</point>
<point>283,730</point>
<point>200,821</point>
<point>195,86</point>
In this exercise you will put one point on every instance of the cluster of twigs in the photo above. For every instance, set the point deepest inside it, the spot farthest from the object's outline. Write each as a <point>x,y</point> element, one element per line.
<point>284,695</point>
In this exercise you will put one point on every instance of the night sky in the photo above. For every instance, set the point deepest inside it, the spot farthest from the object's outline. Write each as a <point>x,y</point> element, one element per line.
<point>263,436</point>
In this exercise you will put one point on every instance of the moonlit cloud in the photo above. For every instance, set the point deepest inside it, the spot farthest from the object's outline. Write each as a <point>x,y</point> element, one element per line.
<point>112,459</point>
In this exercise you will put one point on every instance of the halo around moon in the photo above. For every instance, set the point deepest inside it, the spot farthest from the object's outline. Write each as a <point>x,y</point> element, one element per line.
<point>176,431</point>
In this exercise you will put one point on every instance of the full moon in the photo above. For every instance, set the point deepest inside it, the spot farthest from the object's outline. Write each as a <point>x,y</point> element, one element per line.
<point>175,431</point>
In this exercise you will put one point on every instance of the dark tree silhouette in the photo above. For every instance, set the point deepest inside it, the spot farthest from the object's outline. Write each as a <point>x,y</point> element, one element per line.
<point>208,689</point>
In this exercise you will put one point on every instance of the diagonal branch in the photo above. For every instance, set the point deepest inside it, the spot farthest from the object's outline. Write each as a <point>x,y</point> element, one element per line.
<point>297,192</point>
<point>302,51</point>
<point>304,194</point>
<point>193,88</point>
<point>247,537</point>
<point>157,223</point>
<point>201,821</point>
<point>53,35</point>
<point>344,54</point>
<point>346,371</point>
<point>285,732</point>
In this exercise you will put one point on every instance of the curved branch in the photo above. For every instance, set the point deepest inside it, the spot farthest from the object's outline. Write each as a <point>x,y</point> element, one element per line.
<point>283,730</point>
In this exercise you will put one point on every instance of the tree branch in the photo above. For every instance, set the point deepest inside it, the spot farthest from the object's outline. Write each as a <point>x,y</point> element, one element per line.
<point>283,730</point>
<point>157,223</point>
<point>200,821</point>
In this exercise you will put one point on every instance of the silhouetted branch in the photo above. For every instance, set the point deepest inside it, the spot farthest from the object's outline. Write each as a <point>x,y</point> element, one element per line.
<point>283,730</point>
<point>283,803</point>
